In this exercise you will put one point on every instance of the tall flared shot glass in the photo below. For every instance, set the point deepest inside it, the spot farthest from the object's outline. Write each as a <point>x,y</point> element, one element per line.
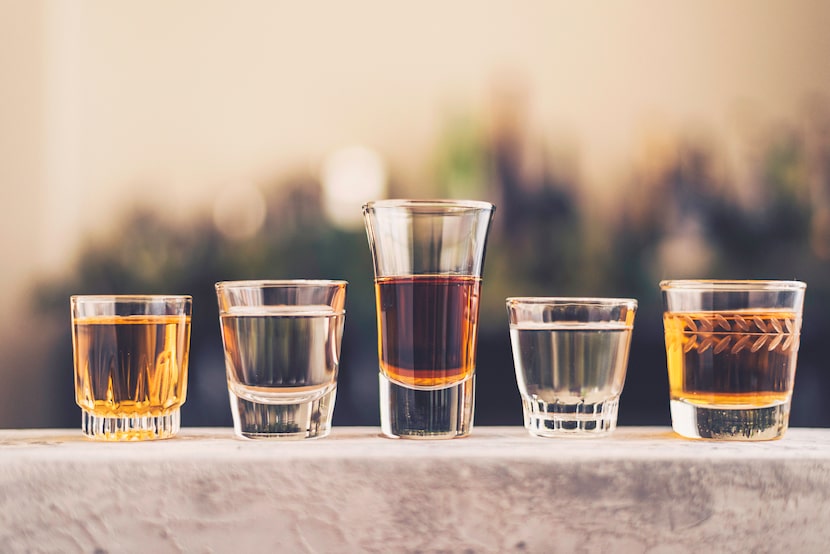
<point>428,257</point>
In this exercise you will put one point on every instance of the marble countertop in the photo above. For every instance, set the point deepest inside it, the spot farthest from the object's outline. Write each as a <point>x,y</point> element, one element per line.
<point>643,489</point>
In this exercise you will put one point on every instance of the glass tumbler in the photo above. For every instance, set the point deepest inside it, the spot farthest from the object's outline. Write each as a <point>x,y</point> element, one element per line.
<point>570,357</point>
<point>131,355</point>
<point>731,348</point>
<point>282,355</point>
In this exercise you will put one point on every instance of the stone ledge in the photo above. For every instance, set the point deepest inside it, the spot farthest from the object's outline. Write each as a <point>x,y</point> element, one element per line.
<point>500,490</point>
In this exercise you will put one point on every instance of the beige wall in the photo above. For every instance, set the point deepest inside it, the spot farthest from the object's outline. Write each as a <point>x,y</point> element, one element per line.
<point>21,139</point>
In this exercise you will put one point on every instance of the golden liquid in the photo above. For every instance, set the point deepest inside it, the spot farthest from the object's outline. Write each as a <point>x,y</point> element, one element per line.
<point>739,358</point>
<point>131,365</point>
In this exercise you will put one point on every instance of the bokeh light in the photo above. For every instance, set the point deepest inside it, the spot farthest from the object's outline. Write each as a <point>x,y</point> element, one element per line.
<point>239,211</point>
<point>352,176</point>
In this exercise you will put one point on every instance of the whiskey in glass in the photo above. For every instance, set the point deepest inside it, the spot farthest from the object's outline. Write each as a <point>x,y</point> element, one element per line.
<point>131,357</point>
<point>731,350</point>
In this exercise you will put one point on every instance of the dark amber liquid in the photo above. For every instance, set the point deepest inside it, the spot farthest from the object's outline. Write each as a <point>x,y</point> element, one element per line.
<point>428,328</point>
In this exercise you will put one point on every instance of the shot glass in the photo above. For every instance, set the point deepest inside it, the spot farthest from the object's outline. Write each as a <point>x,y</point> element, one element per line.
<point>131,355</point>
<point>731,348</point>
<point>570,357</point>
<point>282,354</point>
<point>428,256</point>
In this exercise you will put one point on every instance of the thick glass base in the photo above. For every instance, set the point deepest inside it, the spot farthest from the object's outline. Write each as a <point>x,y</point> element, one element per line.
<point>549,419</point>
<point>729,422</point>
<point>130,428</point>
<point>282,415</point>
<point>412,413</point>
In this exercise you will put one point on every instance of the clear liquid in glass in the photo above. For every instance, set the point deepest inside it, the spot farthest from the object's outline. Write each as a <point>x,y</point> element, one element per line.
<point>570,374</point>
<point>282,364</point>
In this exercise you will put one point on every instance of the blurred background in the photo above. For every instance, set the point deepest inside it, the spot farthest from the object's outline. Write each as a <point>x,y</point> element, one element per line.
<point>158,147</point>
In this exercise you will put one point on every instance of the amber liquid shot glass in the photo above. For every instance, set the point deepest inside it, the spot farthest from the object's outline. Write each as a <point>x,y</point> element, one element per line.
<point>428,257</point>
<point>131,356</point>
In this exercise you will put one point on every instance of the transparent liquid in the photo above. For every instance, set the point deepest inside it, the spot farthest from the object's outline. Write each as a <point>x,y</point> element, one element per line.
<point>570,374</point>
<point>282,364</point>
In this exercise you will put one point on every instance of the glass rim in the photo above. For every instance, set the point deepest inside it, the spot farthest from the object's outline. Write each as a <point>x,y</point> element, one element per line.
<point>280,283</point>
<point>736,285</point>
<point>437,203</point>
<point>572,300</point>
<point>130,297</point>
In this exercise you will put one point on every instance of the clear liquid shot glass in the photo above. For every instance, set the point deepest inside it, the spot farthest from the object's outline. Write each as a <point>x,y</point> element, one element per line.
<point>570,357</point>
<point>282,355</point>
